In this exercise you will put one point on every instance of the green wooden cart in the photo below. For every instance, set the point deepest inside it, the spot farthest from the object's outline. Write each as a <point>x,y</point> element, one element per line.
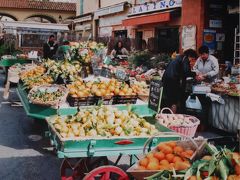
<point>81,156</point>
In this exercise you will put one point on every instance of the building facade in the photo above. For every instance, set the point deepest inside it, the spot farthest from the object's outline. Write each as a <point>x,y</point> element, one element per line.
<point>167,25</point>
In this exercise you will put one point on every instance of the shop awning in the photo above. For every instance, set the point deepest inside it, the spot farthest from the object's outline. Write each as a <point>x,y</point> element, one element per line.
<point>148,19</point>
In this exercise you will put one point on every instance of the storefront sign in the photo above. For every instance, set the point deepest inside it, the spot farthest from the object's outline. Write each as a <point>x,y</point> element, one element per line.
<point>112,20</point>
<point>189,37</point>
<point>155,96</point>
<point>215,23</point>
<point>105,31</point>
<point>155,6</point>
<point>109,10</point>
<point>83,27</point>
<point>209,39</point>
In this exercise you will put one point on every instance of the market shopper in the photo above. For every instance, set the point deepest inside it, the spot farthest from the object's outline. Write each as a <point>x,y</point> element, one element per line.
<point>206,66</point>
<point>174,80</point>
<point>50,48</point>
<point>64,51</point>
<point>119,49</point>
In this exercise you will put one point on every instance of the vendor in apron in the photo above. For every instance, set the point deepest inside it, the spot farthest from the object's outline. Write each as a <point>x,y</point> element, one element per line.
<point>50,48</point>
<point>206,66</point>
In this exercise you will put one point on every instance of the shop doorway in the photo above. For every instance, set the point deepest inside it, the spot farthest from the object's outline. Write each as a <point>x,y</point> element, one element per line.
<point>120,34</point>
<point>167,40</point>
<point>139,38</point>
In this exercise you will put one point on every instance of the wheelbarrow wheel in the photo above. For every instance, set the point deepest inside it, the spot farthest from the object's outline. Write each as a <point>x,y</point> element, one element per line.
<point>107,173</point>
<point>76,169</point>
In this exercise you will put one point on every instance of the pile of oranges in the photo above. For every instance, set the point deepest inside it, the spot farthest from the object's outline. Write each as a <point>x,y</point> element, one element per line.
<point>168,156</point>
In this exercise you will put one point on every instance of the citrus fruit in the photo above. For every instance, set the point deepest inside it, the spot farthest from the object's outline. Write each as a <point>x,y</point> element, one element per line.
<point>169,157</point>
<point>144,162</point>
<point>159,155</point>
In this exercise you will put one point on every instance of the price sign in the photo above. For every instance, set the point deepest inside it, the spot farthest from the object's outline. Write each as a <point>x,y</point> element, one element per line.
<point>106,72</point>
<point>155,96</point>
<point>121,75</point>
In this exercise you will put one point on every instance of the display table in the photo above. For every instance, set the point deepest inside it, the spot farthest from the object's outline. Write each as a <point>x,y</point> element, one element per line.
<point>41,112</point>
<point>226,116</point>
<point>10,62</point>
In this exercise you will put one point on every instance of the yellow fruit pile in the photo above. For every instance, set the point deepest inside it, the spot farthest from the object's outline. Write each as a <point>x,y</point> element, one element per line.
<point>36,71</point>
<point>168,157</point>
<point>102,121</point>
<point>99,88</point>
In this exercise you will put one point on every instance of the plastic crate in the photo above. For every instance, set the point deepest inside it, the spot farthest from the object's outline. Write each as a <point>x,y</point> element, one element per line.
<point>124,100</point>
<point>84,101</point>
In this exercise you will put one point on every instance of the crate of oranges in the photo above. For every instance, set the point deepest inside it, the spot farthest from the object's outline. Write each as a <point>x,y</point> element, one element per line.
<point>173,155</point>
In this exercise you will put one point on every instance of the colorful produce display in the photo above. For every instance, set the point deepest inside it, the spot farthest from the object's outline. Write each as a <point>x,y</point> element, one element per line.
<point>34,72</point>
<point>168,156</point>
<point>47,95</point>
<point>170,161</point>
<point>231,89</point>
<point>100,88</point>
<point>30,82</point>
<point>102,121</point>
<point>65,69</point>
<point>169,120</point>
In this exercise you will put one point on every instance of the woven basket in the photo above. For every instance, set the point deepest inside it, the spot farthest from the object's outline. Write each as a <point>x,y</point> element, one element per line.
<point>187,130</point>
<point>55,103</point>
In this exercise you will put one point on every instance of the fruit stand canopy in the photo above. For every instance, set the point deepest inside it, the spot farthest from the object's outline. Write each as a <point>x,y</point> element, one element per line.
<point>148,19</point>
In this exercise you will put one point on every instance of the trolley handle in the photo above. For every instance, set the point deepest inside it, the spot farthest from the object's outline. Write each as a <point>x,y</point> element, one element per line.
<point>170,133</point>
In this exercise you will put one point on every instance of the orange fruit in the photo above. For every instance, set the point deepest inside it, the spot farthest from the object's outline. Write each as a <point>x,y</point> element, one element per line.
<point>214,178</point>
<point>169,157</point>
<point>153,159</point>
<point>237,169</point>
<point>141,168</point>
<point>161,146</point>
<point>178,149</point>
<point>152,166</point>
<point>164,162</point>
<point>167,150</point>
<point>166,167</point>
<point>160,167</point>
<point>181,165</point>
<point>150,155</point>
<point>144,162</point>
<point>159,155</point>
<point>177,159</point>
<point>171,166</point>
<point>184,154</point>
<point>171,144</point>
<point>190,152</point>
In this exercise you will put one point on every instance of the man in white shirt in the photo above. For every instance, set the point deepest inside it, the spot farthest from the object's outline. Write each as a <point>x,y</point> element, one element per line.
<point>206,66</point>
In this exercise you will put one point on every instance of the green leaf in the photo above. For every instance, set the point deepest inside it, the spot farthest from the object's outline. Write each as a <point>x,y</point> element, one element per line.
<point>212,166</point>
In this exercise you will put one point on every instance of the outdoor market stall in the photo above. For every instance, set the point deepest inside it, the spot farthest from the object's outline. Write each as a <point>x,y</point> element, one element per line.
<point>226,116</point>
<point>91,117</point>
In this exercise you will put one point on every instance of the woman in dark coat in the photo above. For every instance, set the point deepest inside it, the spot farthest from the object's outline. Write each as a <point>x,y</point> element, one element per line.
<point>174,79</point>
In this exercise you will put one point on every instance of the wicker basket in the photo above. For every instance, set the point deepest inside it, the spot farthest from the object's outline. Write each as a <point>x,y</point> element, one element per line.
<point>55,103</point>
<point>187,130</point>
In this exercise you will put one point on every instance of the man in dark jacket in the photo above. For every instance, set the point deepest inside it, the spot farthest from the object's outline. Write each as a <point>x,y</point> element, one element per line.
<point>174,78</point>
<point>50,48</point>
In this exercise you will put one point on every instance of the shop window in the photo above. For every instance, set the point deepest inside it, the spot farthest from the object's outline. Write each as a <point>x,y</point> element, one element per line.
<point>167,40</point>
<point>34,40</point>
